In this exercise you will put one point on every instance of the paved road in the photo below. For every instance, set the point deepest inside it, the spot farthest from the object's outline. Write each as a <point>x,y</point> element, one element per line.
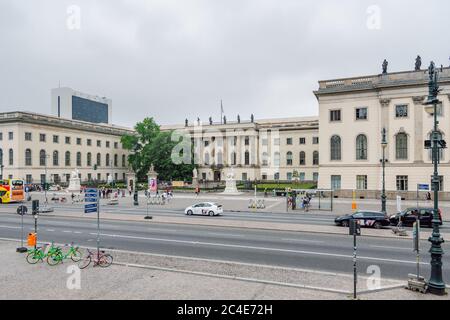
<point>289,249</point>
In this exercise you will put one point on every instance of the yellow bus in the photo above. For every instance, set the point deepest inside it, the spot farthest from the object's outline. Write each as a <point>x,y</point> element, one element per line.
<point>12,190</point>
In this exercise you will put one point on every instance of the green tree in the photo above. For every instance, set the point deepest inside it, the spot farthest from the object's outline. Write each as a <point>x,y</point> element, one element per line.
<point>151,146</point>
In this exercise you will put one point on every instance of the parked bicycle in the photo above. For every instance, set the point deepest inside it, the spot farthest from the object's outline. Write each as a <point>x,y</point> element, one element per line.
<point>101,259</point>
<point>39,253</point>
<point>57,256</point>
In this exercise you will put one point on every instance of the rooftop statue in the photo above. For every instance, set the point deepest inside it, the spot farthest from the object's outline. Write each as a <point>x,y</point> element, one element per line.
<point>418,63</point>
<point>385,66</point>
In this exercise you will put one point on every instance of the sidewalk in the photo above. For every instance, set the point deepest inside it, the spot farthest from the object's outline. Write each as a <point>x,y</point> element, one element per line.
<point>146,276</point>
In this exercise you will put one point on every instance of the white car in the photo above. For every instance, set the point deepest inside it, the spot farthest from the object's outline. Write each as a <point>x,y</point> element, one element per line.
<point>205,209</point>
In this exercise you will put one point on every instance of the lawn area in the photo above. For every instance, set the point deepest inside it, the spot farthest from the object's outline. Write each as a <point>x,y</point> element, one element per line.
<point>282,186</point>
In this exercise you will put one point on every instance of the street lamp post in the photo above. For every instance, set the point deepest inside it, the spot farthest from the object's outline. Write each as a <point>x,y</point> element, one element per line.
<point>383,161</point>
<point>436,283</point>
<point>136,202</point>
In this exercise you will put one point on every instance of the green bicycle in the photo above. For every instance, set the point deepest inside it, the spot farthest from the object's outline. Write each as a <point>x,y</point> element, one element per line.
<point>58,256</point>
<point>37,254</point>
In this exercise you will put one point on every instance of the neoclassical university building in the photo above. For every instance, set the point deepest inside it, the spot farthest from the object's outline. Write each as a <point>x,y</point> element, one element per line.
<point>340,149</point>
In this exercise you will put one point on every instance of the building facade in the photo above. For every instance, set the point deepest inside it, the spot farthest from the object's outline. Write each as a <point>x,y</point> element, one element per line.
<point>38,148</point>
<point>70,104</point>
<point>352,114</point>
<point>273,149</point>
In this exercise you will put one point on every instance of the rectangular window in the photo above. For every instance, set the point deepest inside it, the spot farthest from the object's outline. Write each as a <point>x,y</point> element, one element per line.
<point>361,182</point>
<point>247,141</point>
<point>335,115</point>
<point>67,140</point>
<point>89,176</point>
<point>43,178</point>
<point>264,176</point>
<point>289,176</point>
<point>244,176</point>
<point>10,135</point>
<point>401,111</point>
<point>55,139</point>
<point>302,176</point>
<point>315,140</point>
<point>116,145</point>
<point>89,142</point>
<point>361,113</point>
<point>302,141</point>
<point>99,177</point>
<point>29,179</point>
<point>27,136</point>
<point>206,143</point>
<point>204,176</point>
<point>42,137</point>
<point>276,176</point>
<point>289,141</point>
<point>99,143</point>
<point>336,182</point>
<point>79,141</point>
<point>315,176</point>
<point>402,183</point>
<point>107,144</point>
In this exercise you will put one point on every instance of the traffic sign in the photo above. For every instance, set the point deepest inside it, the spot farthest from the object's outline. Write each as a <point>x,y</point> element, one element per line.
<point>91,190</point>
<point>90,206</point>
<point>424,187</point>
<point>21,210</point>
<point>90,210</point>
<point>90,199</point>
<point>91,195</point>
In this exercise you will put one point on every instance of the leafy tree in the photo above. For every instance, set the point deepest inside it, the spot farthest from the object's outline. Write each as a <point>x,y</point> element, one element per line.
<point>151,146</point>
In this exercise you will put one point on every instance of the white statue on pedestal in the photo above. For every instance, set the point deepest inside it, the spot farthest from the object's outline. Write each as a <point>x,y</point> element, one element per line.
<point>230,184</point>
<point>74,182</point>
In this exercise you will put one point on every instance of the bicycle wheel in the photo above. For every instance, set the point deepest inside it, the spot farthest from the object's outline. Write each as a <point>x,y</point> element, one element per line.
<point>76,255</point>
<point>105,260</point>
<point>54,259</point>
<point>84,262</point>
<point>33,257</point>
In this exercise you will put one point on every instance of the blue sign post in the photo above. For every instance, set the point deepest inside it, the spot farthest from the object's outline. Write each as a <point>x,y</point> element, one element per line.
<point>92,204</point>
<point>421,187</point>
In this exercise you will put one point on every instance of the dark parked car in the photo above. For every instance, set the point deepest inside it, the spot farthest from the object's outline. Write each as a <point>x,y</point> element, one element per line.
<point>374,219</point>
<point>408,217</point>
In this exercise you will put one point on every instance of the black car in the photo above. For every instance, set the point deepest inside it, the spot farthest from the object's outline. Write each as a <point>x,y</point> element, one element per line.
<point>409,216</point>
<point>373,219</point>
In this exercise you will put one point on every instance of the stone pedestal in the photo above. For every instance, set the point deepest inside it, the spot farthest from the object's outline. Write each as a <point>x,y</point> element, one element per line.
<point>74,182</point>
<point>230,184</point>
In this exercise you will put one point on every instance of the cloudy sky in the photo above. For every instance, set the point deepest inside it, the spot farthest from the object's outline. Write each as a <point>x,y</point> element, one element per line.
<point>176,59</point>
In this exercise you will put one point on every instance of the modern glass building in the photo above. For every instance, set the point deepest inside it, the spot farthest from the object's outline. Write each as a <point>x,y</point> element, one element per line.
<point>88,110</point>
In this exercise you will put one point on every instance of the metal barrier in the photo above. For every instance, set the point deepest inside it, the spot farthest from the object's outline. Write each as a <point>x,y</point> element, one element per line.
<point>257,204</point>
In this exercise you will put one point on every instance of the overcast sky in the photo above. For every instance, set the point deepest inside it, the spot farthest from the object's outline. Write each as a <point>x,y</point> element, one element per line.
<point>176,59</point>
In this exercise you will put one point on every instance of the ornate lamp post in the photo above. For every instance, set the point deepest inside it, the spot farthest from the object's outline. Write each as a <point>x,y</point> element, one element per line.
<point>136,202</point>
<point>436,284</point>
<point>383,161</point>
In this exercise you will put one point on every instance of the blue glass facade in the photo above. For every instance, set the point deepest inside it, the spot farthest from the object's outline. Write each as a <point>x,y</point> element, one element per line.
<point>88,110</point>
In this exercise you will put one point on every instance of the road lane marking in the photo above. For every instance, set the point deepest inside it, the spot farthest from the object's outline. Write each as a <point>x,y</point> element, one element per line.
<point>8,227</point>
<point>260,248</point>
<point>78,232</point>
<point>387,247</point>
<point>301,240</point>
<point>226,234</point>
<point>50,230</point>
<point>67,231</point>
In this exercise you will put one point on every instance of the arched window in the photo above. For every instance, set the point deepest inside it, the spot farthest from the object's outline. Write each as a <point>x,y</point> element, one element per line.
<point>289,158</point>
<point>42,158</point>
<point>207,158</point>
<point>361,147</point>
<point>55,158</point>
<point>11,157</point>
<point>316,158</point>
<point>116,160</point>
<point>265,159</point>
<point>247,158</point>
<point>276,159</point>
<point>67,159</point>
<point>124,161</point>
<point>335,148</point>
<point>99,159</point>
<point>89,159</point>
<point>107,160</point>
<point>78,159</point>
<point>302,158</point>
<point>401,146</point>
<point>28,157</point>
